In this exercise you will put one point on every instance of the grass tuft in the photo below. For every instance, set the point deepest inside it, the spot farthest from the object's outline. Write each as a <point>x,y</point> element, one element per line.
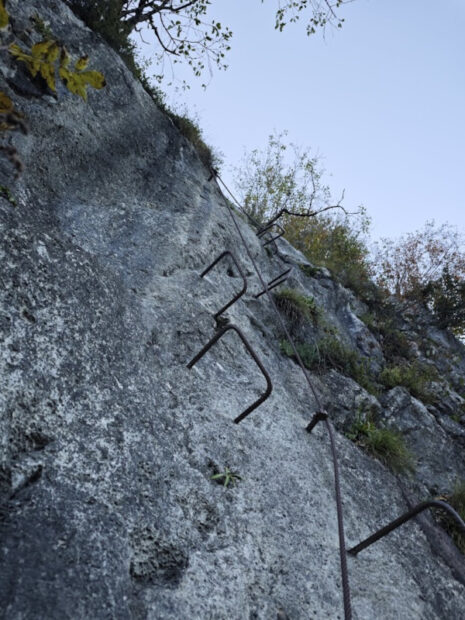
<point>384,444</point>
<point>416,377</point>
<point>329,353</point>
<point>297,307</point>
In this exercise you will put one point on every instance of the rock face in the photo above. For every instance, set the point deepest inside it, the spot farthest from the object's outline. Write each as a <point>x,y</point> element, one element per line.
<point>108,441</point>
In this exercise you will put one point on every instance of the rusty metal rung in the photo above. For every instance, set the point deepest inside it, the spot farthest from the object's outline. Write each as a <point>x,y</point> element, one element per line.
<point>267,229</point>
<point>406,517</point>
<point>244,280</point>
<point>269,386</point>
<point>275,282</point>
<point>320,416</point>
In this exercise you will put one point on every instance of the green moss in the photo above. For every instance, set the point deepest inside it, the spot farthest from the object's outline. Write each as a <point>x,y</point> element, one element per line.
<point>416,377</point>
<point>297,307</point>
<point>384,444</point>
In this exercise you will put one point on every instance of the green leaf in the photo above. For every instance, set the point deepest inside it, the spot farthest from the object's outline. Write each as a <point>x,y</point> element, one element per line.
<point>217,476</point>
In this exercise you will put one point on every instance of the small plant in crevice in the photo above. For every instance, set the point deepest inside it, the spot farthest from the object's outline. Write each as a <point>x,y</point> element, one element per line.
<point>41,27</point>
<point>226,478</point>
<point>5,192</point>
<point>297,307</point>
<point>385,444</point>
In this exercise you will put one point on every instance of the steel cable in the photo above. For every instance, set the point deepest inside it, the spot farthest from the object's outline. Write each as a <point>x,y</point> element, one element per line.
<point>340,517</point>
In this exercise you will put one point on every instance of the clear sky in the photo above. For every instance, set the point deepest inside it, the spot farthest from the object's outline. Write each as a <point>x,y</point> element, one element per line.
<point>383,100</point>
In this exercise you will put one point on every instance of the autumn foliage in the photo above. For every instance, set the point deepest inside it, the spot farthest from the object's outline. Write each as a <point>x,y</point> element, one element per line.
<point>406,266</point>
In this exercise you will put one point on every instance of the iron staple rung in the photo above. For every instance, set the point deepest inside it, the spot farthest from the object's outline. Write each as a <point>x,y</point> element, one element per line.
<point>275,282</point>
<point>268,228</point>
<point>387,529</point>
<point>244,280</point>
<point>269,386</point>
<point>320,416</point>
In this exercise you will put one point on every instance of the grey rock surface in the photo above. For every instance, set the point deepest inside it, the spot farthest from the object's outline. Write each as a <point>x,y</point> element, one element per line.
<point>108,442</point>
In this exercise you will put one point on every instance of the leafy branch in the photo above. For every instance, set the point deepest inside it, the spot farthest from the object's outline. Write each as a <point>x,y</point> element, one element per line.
<point>48,55</point>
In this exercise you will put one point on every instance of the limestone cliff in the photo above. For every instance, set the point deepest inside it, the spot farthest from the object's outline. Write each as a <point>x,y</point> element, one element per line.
<point>109,443</point>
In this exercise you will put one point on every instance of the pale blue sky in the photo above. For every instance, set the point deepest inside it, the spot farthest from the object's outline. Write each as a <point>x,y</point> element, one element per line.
<point>382,100</point>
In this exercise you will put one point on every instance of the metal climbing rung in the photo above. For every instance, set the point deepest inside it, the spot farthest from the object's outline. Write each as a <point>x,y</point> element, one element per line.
<point>275,282</point>
<point>269,386</point>
<point>241,273</point>
<point>406,517</point>
<point>320,416</point>
<point>266,229</point>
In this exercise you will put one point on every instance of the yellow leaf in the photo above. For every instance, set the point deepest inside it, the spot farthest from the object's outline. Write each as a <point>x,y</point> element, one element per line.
<point>41,49</point>
<point>53,52</point>
<point>93,78</point>
<point>73,82</point>
<point>6,105</point>
<point>82,63</point>
<point>3,16</point>
<point>47,71</point>
<point>64,57</point>
<point>18,53</point>
<point>34,67</point>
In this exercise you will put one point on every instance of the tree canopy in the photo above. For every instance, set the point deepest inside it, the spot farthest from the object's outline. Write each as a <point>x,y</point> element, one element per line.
<point>286,181</point>
<point>183,29</point>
